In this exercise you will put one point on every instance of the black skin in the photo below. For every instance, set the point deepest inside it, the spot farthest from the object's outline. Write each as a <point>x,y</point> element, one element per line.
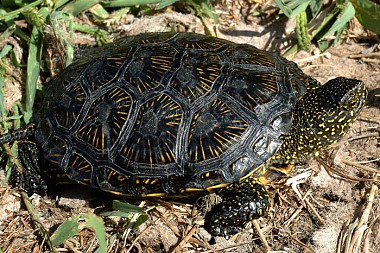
<point>242,202</point>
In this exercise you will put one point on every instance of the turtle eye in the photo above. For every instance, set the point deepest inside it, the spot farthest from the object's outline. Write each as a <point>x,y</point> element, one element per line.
<point>351,102</point>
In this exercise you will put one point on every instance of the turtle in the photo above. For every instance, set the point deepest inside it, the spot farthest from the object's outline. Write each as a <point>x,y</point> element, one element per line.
<point>171,114</point>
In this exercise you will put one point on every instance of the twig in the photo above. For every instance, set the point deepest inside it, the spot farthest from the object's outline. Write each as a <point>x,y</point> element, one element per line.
<point>307,248</point>
<point>371,60</point>
<point>294,215</point>
<point>139,236</point>
<point>226,248</point>
<point>364,219</point>
<point>261,235</point>
<point>369,55</point>
<point>361,166</point>
<point>167,223</point>
<point>327,54</point>
<point>186,239</point>
<point>341,174</point>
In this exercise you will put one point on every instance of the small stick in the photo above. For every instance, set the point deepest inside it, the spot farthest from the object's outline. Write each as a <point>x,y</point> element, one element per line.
<point>371,60</point>
<point>307,248</point>
<point>261,235</point>
<point>294,215</point>
<point>364,55</point>
<point>361,166</point>
<point>186,239</point>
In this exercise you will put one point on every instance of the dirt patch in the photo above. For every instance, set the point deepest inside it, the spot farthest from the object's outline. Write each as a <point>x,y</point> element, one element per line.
<point>309,208</point>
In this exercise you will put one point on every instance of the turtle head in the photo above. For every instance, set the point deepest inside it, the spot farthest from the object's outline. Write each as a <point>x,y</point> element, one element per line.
<point>331,109</point>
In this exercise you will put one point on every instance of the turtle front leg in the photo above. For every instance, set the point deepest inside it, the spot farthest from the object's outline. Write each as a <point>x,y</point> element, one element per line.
<point>242,202</point>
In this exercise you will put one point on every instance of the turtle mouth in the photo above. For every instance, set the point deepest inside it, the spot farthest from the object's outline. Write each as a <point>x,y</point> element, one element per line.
<point>363,93</point>
<point>360,106</point>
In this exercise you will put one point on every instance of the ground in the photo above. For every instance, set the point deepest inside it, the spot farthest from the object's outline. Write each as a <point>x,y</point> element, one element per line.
<point>319,207</point>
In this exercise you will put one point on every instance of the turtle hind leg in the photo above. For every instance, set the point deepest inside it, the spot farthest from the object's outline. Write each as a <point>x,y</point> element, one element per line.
<point>242,202</point>
<point>18,134</point>
<point>28,173</point>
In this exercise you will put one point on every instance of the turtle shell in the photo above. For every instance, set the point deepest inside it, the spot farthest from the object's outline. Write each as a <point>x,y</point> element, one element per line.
<point>165,113</point>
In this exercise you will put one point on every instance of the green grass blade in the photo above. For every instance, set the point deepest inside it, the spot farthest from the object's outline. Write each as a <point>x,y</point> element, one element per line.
<point>15,13</point>
<point>2,107</point>
<point>33,67</point>
<point>66,230</point>
<point>98,225</point>
<point>128,3</point>
<point>8,32</point>
<point>302,31</point>
<point>75,224</point>
<point>368,14</point>
<point>100,34</point>
<point>6,49</point>
<point>126,207</point>
<point>165,3</point>
<point>346,14</point>
<point>292,8</point>
<point>77,6</point>
<point>60,3</point>
<point>33,70</point>
<point>99,12</point>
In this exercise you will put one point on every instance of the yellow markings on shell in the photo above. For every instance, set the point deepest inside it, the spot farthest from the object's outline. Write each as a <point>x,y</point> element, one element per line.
<point>192,190</point>
<point>212,151</point>
<point>150,152</point>
<point>216,187</point>
<point>102,135</point>
<point>223,143</point>
<point>95,141</point>
<point>234,134</point>
<point>156,195</point>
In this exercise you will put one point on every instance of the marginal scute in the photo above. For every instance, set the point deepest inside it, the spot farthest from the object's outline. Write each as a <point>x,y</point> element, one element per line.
<point>148,185</point>
<point>241,167</point>
<point>112,180</point>
<point>79,167</point>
